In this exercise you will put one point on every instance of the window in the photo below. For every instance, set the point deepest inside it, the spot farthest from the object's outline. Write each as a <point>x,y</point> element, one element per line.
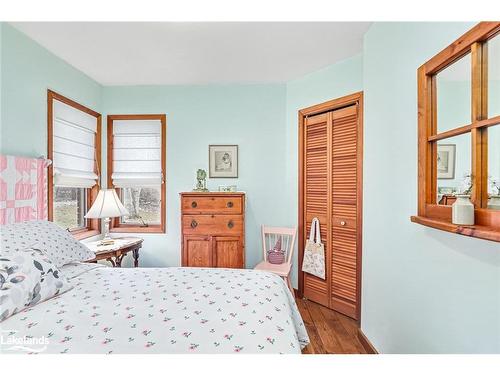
<point>459,132</point>
<point>70,207</point>
<point>74,147</point>
<point>136,169</point>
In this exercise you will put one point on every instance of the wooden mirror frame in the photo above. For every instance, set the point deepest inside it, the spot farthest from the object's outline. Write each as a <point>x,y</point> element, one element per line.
<point>429,212</point>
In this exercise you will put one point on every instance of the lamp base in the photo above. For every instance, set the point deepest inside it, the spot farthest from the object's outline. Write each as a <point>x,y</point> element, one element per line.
<point>107,240</point>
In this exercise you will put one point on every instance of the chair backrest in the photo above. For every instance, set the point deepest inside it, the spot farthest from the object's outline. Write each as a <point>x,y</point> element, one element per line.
<point>270,235</point>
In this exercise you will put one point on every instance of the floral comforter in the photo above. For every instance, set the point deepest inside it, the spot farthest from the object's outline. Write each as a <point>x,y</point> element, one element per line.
<point>161,310</point>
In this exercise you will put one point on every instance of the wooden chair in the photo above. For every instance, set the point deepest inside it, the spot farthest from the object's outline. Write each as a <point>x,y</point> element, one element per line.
<point>270,236</point>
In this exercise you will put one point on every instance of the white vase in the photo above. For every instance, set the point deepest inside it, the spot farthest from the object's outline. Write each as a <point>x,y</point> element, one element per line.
<point>462,211</point>
<point>494,202</point>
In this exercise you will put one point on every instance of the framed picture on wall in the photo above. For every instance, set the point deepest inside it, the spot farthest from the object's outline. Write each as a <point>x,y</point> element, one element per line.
<point>446,162</point>
<point>223,161</point>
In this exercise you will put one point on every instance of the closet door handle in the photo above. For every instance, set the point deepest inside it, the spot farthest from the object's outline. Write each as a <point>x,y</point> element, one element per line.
<point>343,223</point>
<point>230,224</point>
<point>194,204</point>
<point>194,224</point>
<point>230,204</point>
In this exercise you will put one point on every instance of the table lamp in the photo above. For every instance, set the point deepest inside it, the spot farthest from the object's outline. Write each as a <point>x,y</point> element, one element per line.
<point>106,205</point>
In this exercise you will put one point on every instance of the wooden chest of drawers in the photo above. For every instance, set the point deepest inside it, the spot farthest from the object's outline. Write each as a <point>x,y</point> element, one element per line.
<point>213,229</point>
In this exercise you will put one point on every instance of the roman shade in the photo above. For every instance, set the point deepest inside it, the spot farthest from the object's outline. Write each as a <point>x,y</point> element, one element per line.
<point>74,134</point>
<point>137,153</point>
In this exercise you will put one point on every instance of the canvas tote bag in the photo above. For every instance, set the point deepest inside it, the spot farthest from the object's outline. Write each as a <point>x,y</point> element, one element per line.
<point>314,253</point>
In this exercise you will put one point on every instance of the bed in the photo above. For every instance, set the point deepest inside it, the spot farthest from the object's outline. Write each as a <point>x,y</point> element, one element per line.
<point>162,310</point>
<point>52,301</point>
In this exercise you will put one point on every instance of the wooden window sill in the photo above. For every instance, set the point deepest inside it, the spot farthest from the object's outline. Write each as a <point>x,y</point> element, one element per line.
<point>478,231</point>
<point>80,235</point>
<point>137,229</point>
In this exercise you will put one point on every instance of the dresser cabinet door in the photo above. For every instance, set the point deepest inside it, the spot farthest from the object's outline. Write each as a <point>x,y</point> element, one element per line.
<point>197,251</point>
<point>228,252</point>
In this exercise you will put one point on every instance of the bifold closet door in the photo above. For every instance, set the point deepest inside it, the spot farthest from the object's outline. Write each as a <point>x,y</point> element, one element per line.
<point>317,132</point>
<point>344,211</point>
<point>331,161</point>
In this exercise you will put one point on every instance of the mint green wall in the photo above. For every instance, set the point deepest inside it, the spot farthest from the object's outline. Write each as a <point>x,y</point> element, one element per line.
<point>28,70</point>
<point>250,116</point>
<point>424,290</point>
<point>334,81</point>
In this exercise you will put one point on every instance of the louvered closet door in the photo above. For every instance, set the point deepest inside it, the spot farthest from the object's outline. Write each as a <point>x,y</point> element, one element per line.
<point>316,176</point>
<point>344,193</point>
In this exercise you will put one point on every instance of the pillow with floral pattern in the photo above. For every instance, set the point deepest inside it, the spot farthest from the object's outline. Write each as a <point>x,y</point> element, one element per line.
<point>57,243</point>
<point>28,277</point>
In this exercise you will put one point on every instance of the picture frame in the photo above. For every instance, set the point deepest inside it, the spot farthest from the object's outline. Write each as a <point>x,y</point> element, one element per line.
<point>227,188</point>
<point>223,161</point>
<point>446,161</point>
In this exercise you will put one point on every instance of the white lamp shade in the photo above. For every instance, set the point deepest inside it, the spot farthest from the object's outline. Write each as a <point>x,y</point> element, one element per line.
<point>107,204</point>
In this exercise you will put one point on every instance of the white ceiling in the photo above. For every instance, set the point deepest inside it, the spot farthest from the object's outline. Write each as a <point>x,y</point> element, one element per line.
<point>138,53</point>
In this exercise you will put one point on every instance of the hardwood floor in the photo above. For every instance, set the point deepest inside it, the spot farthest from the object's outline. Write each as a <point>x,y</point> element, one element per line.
<point>330,332</point>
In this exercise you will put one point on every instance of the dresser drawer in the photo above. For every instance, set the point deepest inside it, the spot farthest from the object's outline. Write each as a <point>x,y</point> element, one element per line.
<point>212,224</point>
<point>212,204</point>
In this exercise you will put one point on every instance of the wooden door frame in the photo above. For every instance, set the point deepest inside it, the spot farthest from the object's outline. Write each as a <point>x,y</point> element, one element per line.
<point>353,99</point>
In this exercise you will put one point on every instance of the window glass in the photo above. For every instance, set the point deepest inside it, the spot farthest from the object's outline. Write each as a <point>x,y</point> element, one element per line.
<point>454,95</point>
<point>453,167</point>
<point>494,77</point>
<point>494,167</point>
<point>143,205</point>
<point>69,207</point>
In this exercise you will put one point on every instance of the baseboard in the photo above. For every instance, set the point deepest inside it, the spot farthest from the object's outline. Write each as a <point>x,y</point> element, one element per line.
<point>370,349</point>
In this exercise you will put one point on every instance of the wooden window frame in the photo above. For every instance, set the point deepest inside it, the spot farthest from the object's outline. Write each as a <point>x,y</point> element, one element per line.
<point>93,227</point>
<point>429,212</point>
<point>115,225</point>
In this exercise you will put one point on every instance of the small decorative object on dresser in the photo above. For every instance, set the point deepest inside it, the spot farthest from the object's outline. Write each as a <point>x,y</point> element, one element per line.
<point>227,188</point>
<point>115,252</point>
<point>213,230</point>
<point>223,160</point>
<point>201,177</point>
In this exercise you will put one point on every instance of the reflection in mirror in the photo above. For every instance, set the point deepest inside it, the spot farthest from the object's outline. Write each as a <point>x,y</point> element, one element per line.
<point>494,77</point>
<point>454,95</point>
<point>494,167</point>
<point>453,168</point>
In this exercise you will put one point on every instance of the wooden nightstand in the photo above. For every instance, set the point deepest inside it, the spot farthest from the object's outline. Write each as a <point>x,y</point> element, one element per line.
<point>116,252</point>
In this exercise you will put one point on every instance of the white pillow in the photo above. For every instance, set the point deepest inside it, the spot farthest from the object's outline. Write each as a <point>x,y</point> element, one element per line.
<point>28,277</point>
<point>55,242</point>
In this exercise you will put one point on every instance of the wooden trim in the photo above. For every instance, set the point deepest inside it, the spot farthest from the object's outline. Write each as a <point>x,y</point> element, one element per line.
<point>359,201</point>
<point>300,241</point>
<point>115,225</point>
<point>331,105</point>
<point>461,46</point>
<point>93,227</point>
<point>429,213</point>
<point>370,349</point>
<point>481,124</point>
<point>477,231</point>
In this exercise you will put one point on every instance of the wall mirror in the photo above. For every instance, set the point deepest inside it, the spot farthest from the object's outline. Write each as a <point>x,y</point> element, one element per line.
<point>494,168</point>
<point>453,159</point>
<point>459,132</point>
<point>453,99</point>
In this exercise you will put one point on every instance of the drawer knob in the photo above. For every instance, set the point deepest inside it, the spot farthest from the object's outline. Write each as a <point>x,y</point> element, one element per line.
<point>194,204</point>
<point>194,224</point>
<point>230,204</point>
<point>230,224</point>
<point>343,223</point>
